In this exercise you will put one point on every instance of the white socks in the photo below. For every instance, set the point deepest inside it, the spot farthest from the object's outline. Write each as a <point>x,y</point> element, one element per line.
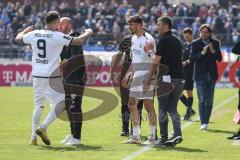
<point>37,113</point>
<point>136,131</point>
<point>49,119</point>
<point>153,130</point>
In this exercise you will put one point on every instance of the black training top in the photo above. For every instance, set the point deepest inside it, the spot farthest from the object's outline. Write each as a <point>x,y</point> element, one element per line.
<point>169,47</point>
<point>125,46</point>
<point>188,69</point>
<point>75,55</point>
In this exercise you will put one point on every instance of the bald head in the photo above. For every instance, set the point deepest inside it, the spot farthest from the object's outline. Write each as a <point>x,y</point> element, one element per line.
<point>65,25</point>
<point>66,20</point>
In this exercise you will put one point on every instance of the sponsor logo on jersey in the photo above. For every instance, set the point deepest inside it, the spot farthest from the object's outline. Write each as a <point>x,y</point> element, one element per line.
<point>67,37</point>
<point>136,51</point>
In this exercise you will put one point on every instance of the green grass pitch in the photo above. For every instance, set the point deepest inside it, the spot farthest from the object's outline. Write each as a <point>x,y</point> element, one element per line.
<point>100,136</point>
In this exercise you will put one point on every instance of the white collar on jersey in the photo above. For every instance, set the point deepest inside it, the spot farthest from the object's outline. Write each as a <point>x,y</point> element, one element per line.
<point>144,35</point>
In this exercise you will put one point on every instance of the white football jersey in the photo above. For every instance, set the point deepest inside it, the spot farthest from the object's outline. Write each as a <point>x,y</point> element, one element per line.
<point>139,56</point>
<point>46,46</point>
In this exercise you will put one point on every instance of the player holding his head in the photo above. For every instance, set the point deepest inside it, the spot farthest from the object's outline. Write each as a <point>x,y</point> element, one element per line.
<point>47,45</point>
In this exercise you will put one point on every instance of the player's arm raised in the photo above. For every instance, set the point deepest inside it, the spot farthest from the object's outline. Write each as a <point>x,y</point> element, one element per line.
<point>19,37</point>
<point>79,40</point>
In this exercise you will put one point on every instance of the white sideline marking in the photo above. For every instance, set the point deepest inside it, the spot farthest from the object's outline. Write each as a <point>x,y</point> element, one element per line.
<point>187,124</point>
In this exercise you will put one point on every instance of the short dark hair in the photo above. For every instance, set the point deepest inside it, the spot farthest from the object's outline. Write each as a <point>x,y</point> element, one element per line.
<point>188,30</point>
<point>166,20</point>
<point>207,26</point>
<point>135,19</point>
<point>52,16</point>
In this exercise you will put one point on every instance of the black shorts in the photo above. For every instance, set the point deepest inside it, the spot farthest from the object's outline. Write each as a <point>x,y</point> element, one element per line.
<point>188,85</point>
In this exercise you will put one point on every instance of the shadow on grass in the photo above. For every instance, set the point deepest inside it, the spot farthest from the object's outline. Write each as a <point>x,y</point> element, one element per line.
<point>177,148</point>
<point>219,131</point>
<point>181,149</point>
<point>191,121</point>
<point>195,121</point>
<point>81,147</point>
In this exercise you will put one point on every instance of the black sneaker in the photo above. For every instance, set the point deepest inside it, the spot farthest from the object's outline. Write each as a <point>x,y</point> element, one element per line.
<point>161,142</point>
<point>172,142</point>
<point>124,134</point>
<point>235,136</point>
<point>187,115</point>
<point>192,113</point>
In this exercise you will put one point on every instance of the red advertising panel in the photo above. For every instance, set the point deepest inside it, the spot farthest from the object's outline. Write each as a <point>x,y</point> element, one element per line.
<point>20,75</point>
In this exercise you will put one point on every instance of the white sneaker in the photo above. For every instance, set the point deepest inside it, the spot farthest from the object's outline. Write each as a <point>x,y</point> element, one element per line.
<point>150,140</point>
<point>204,127</point>
<point>73,142</point>
<point>133,140</point>
<point>68,138</point>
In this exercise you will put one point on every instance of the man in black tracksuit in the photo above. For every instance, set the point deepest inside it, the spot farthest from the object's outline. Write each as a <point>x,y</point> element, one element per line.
<point>74,83</point>
<point>188,74</point>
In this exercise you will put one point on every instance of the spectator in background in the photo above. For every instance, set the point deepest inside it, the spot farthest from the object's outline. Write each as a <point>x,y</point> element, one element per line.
<point>27,8</point>
<point>170,12</point>
<point>210,18</point>
<point>38,24</point>
<point>81,9</point>
<point>219,25</point>
<point>181,10</point>
<point>222,13</point>
<point>5,18</point>
<point>203,12</point>
<point>191,12</point>
<point>196,25</point>
<point>78,21</point>
<point>28,13</point>
<point>103,23</point>
<point>90,22</point>
<point>228,27</point>
<point>1,30</point>
<point>15,25</point>
<point>235,36</point>
<point>238,26</point>
<point>9,33</point>
<point>27,53</point>
<point>182,25</point>
<point>116,32</point>
<point>205,52</point>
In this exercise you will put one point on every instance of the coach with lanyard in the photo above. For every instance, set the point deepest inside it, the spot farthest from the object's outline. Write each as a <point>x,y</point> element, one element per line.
<point>74,83</point>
